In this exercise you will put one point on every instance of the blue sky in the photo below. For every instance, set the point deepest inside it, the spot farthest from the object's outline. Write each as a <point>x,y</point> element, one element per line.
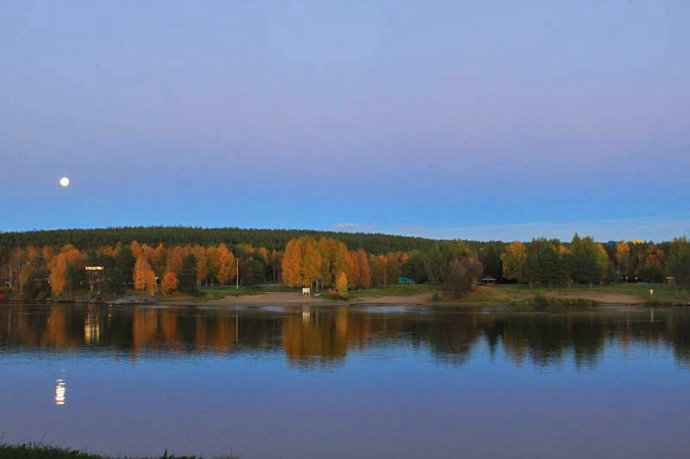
<point>443,119</point>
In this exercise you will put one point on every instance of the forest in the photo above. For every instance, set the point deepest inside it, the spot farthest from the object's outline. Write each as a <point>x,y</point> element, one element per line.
<point>86,239</point>
<point>166,261</point>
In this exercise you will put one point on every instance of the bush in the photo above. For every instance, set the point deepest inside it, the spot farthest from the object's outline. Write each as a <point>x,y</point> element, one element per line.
<point>541,300</point>
<point>336,295</point>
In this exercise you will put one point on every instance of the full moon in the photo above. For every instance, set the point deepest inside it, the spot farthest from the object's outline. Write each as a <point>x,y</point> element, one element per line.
<point>64,181</point>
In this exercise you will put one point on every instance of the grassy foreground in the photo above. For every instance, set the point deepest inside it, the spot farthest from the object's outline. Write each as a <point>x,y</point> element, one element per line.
<point>517,294</point>
<point>35,451</point>
<point>520,294</point>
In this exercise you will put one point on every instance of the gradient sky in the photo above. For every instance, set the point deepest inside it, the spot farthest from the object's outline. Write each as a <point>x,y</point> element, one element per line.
<point>473,119</point>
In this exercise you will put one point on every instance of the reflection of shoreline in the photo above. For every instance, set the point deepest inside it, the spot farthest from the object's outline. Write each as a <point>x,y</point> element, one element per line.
<point>60,392</point>
<point>316,336</point>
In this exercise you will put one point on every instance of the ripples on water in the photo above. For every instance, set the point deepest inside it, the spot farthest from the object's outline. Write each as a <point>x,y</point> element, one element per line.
<point>360,381</point>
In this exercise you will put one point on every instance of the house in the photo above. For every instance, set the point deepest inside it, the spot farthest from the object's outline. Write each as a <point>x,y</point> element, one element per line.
<point>487,280</point>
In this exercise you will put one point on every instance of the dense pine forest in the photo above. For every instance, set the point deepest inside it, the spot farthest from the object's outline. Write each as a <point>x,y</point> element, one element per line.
<point>271,239</point>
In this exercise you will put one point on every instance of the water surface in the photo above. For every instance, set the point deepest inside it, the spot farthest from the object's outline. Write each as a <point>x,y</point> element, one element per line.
<point>347,382</point>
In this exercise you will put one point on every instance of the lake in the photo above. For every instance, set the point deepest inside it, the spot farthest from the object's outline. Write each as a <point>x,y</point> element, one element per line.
<point>347,381</point>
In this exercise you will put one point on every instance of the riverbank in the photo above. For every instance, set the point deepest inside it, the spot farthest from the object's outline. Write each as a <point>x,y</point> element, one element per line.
<point>417,294</point>
<point>496,295</point>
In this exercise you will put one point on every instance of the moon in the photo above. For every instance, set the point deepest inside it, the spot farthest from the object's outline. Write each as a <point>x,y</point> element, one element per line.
<point>64,182</point>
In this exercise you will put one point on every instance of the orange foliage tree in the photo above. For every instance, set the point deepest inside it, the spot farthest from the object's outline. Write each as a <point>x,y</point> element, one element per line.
<point>173,259</point>
<point>341,283</point>
<point>364,279</point>
<point>68,258</point>
<point>169,283</point>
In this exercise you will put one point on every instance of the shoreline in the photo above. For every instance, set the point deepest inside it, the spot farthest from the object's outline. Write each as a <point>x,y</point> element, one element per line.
<point>481,296</point>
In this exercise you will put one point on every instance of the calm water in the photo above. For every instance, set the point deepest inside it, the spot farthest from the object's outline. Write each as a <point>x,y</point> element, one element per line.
<point>347,382</point>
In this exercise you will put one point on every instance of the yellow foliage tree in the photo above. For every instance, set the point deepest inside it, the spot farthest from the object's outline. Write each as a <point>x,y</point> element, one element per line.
<point>334,259</point>
<point>144,277</point>
<point>514,259</point>
<point>311,261</point>
<point>226,265</point>
<point>291,266</point>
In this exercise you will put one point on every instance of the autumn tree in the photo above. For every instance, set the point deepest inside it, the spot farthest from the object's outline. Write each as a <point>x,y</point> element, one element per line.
<point>173,259</point>
<point>353,269</point>
<point>292,264</point>
<point>334,258</point>
<point>311,261</point>
<point>144,277</point>
<point>136,250</point>
<point>226,265</point>
<point>513,259</point>
<point>63,269</point>
<point>169,283</point>
<point>341,283</point>
<point>364,273</point>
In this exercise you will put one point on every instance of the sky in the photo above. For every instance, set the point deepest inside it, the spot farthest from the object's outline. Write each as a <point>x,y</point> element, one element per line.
<point>445,119</point>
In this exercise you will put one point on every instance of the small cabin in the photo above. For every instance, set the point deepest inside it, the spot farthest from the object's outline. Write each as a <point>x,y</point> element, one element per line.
<point>487,280</point>
<point>670,280</point>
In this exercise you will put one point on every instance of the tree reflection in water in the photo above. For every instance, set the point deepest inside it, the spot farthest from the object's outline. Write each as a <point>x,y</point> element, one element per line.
<point>316,337</point>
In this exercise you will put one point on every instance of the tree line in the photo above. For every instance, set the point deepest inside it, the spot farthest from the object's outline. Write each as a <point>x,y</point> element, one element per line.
<point>330,264</point>
<point>582,260</point>
<point>323,263</point>
<point>271,239</point>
